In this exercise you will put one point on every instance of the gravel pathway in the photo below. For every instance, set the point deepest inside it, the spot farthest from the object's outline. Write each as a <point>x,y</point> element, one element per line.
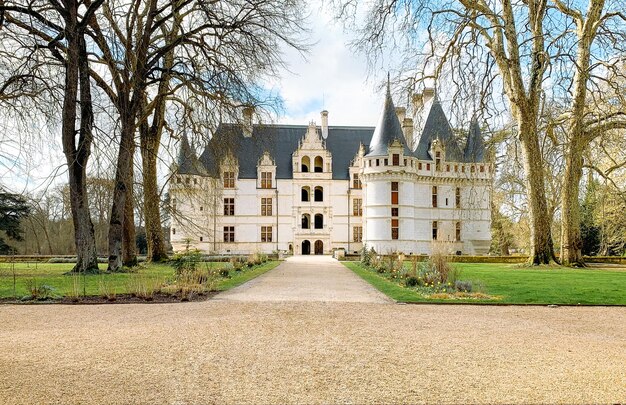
<point>310,352</point>
<point>307,278</point>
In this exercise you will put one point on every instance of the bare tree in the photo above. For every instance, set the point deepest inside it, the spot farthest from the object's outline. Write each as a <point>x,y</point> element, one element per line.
<point>57,30</point>
<point>515,48</point>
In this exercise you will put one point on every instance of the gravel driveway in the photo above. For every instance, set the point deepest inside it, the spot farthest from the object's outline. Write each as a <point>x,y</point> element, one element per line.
<point>228,351</point>
<point>307,278</point>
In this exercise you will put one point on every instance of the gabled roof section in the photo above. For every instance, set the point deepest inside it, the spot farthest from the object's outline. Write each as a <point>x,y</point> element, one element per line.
<point>280,141</point>
<point>474,148</point>
<point>438,127</point>
<point>187,162</point>
<point>387,130</point>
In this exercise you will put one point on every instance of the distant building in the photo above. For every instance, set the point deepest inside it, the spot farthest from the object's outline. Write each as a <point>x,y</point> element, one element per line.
<point>312,189</point>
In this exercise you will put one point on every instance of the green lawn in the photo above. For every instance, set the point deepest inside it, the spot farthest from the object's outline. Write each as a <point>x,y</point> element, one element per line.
<point>522,285</point>
<point>52,274</point>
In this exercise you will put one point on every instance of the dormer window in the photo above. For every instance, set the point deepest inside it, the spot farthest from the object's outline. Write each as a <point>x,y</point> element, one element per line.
<point>356,181</point>
<point>266,171</point>
<point>438,161</point>
<point>266,179</point>
<point>396,159</point>
<point>229,179</point>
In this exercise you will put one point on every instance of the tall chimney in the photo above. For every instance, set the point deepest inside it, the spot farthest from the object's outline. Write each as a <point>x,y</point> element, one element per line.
<point>247,121</point>
<point>324,124</point>
<point>428,94</point>
<point>418,103</point>
<point>407,130</point>
<point>400,113</point>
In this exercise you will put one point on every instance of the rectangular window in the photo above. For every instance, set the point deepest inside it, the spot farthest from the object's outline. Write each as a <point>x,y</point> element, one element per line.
<point>201,238</point>
<point>357,207</point>
<point>438,161</point>
<point>266,207</point>
<point>395,229</point>
<point>229,234</point>
<point>472,169</point>
<point>419,166</point>
<point>356,181</point>
<point>462,169</point>
<point>229,179</point>
<point>434,230</point>
<point>266,234</point>
<point>456,168</point>
<point>229,206</point>
<point>386,162</point>
<point>396,159</point>
<point>457,197</point>
<point>394,211</point>
<point>482,168</point>
<point>266,179</point>
<point>458,231</point>
<point>434,196</point>
<point>394,192</point>
<point>377,162</point>
<point>173,231</point>
<point>447,168</point>
<point>201,208</point>
<point>357,234</point>
<point>427,166</point>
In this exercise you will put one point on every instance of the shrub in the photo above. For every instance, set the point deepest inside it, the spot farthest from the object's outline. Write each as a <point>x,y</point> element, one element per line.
<point>224,272</point>
<point>187,260</point>
<point>39,291</point>
<point>463,286</point>
<point>411,281</point>
<point>236,263</point>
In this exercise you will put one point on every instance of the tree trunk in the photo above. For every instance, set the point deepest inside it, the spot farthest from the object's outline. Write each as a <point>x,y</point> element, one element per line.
<point>77,157</point>
<point>129,243</point>
<point>571,240</point>
<point>541,244</point>
<point>121,190</point>
<point>152,212</point>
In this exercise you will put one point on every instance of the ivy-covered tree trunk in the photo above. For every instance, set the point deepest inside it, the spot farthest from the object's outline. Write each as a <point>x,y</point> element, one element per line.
<point>541,244</point>
<point>77,71</point>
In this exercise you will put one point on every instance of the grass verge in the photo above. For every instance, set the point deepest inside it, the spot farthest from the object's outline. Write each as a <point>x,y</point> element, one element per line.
<point>520,285</point>
<point>18,280</point>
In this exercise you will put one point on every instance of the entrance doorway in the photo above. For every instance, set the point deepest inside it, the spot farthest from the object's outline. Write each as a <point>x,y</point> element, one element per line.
<point>306,247</point>
<point>319,247</point>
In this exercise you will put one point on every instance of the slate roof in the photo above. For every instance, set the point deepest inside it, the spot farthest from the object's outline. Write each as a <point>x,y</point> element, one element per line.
<point>387,130</point>
<point>474,148</point>
<point>280,141</point>
<point>438,127</point>
<point>187,161</point>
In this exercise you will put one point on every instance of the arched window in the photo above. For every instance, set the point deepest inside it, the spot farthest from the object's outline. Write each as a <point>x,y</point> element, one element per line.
<point>306,221</point>
<point>319,193</point>
<point>319,164</point>
<point>319,221</point>
<point>306,163</point>
<point>306,193</point>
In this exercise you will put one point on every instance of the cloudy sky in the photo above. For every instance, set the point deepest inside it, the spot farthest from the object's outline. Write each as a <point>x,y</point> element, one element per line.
<point>333,78</point>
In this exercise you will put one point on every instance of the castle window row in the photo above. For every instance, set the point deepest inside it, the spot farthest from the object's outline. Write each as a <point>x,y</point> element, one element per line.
<point>318,193</point>
<point>318,221</point>
<point>318,164</point>
<point>420,166</point>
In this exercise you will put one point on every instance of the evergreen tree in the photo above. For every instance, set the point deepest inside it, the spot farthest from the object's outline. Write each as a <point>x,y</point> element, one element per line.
<point>13,208</point>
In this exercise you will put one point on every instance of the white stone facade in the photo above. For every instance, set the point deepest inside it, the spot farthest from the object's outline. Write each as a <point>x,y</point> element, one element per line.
<point>393,203</point>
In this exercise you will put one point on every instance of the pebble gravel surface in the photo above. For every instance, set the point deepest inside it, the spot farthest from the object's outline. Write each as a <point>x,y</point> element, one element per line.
<point>275,352</point>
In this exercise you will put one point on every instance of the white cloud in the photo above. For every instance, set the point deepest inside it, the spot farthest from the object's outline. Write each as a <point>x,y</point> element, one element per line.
<point>333,78</point>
